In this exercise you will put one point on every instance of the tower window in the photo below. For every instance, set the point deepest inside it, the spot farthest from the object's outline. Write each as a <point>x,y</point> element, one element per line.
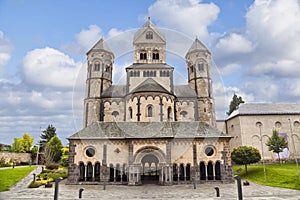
<point>149,35</point>
<point>143,56</point>
<point>201,67</point>
<point>155,56</point>
<point>192,68</point>
<point>97,66</point>
<point>107,68</point>
<point>150,111</point>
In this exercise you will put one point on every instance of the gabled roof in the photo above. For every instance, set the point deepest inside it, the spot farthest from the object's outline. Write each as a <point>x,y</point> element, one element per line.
<point>184,91</point>
<point>150,66</point>
<point>197,46</point>
<point>148,25</point>
<point>266,109</point>
<point>100,45</point>
<point>114,91</point>
<point>150,85</point>
<point>131,130</point>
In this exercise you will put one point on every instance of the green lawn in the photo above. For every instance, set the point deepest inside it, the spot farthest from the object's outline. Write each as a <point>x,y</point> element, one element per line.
<point>277,175</point>
<point>9,177</point>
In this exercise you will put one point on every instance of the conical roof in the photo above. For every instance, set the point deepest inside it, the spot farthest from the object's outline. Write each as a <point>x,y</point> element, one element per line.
<point>197,46</point>
<point>146,26</point>
<point>100,45</point>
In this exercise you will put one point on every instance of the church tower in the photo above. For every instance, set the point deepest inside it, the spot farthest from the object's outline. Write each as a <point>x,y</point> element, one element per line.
<point>198,59</point>
<point>100,61</point>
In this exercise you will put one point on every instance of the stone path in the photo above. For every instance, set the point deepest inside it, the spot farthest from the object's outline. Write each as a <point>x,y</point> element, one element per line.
<point>147,192</point>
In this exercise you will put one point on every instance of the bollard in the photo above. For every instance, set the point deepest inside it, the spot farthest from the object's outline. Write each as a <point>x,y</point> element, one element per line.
<point>104,184</point>
<point>56,187</point>
<point>239,186</point>
<point>80,192</point>
<point>34,177</point>
<point>194,182</point>
<point>217,191</point>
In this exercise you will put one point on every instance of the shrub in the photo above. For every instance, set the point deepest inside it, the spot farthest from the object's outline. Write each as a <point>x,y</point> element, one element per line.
<point>64,162</point>
<point>52,166</point>
<point>34,184</point>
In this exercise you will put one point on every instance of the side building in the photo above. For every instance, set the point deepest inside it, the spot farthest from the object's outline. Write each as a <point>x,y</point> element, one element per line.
<point>253,124</point>
<point>149,130</point>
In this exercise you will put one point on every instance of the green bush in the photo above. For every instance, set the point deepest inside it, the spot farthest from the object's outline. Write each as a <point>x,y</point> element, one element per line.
<point>35,184</point>
<point>64,162</point>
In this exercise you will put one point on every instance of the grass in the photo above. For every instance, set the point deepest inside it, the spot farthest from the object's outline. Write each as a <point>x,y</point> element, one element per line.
<point>9,177</point>
<point>277,175</point>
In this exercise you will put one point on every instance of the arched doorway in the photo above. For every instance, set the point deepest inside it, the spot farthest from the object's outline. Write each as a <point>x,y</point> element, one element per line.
<point>150,169</point>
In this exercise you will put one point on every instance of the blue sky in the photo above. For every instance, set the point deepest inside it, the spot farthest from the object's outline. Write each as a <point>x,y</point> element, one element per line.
<point>254,45</point>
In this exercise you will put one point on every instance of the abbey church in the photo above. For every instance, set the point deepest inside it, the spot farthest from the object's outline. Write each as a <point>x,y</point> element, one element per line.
<point>149,130</point>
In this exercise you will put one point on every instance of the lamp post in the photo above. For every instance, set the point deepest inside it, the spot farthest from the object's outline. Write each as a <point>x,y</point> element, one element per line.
<point>294,148</point>
<point>259,124</point>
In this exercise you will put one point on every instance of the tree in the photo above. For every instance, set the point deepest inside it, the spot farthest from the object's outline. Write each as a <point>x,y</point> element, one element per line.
<point>27,142</point>
<point>17,146</point>
<point>245,155</point>
<point>234,104</point>
<point>53,149</point>
<point>276,144</point>
<point>47,135</point>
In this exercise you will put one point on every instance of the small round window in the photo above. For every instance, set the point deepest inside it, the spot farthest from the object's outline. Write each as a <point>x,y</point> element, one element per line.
<point>209,151</point>
<point>90,152</point>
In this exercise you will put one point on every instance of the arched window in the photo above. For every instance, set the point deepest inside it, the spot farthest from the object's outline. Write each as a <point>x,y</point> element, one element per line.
<point>149,35</point>
<point>150,111</point>
<point>155,56</point>
<point>143,56</point>
<point>130,112</point>
<point>192,68</point>
<point>183,113</point>
<point>107,68</point>
<point>201,66</point>
<point>97,66</point>
<point>115,113</point>
<point>169,113</point>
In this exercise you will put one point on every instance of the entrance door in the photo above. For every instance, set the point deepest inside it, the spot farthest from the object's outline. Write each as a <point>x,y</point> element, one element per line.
<point>150,172</point>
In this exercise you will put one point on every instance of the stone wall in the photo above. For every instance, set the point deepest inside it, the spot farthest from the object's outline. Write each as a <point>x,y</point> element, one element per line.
<point>18,157</point>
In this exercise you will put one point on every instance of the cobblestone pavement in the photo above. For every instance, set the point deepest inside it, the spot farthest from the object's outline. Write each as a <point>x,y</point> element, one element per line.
<point>175,192</point>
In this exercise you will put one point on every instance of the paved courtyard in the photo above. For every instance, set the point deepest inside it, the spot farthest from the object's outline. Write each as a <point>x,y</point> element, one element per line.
<point>176,192</point>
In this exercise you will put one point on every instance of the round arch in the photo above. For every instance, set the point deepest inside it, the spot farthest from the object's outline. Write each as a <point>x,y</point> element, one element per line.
<point>139,155</point>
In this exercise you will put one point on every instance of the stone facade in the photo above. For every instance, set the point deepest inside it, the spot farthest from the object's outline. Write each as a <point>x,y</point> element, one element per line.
<point>149,130</point>
<point>253,122</point>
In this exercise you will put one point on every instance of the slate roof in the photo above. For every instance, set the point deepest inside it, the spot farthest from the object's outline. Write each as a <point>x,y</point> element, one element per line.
<point>197,46</point>
<point>184,91</point>
<point>114,91</point>
<point>266,109</point>
<point>150,85</point>
<point>100,45</point>
<point>131,130</point>
<point>150,66</point>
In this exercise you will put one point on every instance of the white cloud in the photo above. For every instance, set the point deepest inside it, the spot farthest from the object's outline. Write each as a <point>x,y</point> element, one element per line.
<point>188,16</point>
<point>234,44</point>
<point>85,40</point>
<point>5,50</point>
<point>49,67</point>
<point>229,69</point>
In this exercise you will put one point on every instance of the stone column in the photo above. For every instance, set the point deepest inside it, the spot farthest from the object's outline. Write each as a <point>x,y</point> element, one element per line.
<point>115,174</point>
<point>85,172</point>
<point>178,175</point>
<point>214,171</point>
<point>93,175</point>
<point>206,178</point>
<point>184,169</point>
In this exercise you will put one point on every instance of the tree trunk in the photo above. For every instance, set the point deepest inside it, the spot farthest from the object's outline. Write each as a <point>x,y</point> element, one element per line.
<point>278,157</point>
<point>246,169</point>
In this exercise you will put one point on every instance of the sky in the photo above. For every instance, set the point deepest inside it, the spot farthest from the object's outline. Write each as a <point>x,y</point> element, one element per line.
<point>43,44</point>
